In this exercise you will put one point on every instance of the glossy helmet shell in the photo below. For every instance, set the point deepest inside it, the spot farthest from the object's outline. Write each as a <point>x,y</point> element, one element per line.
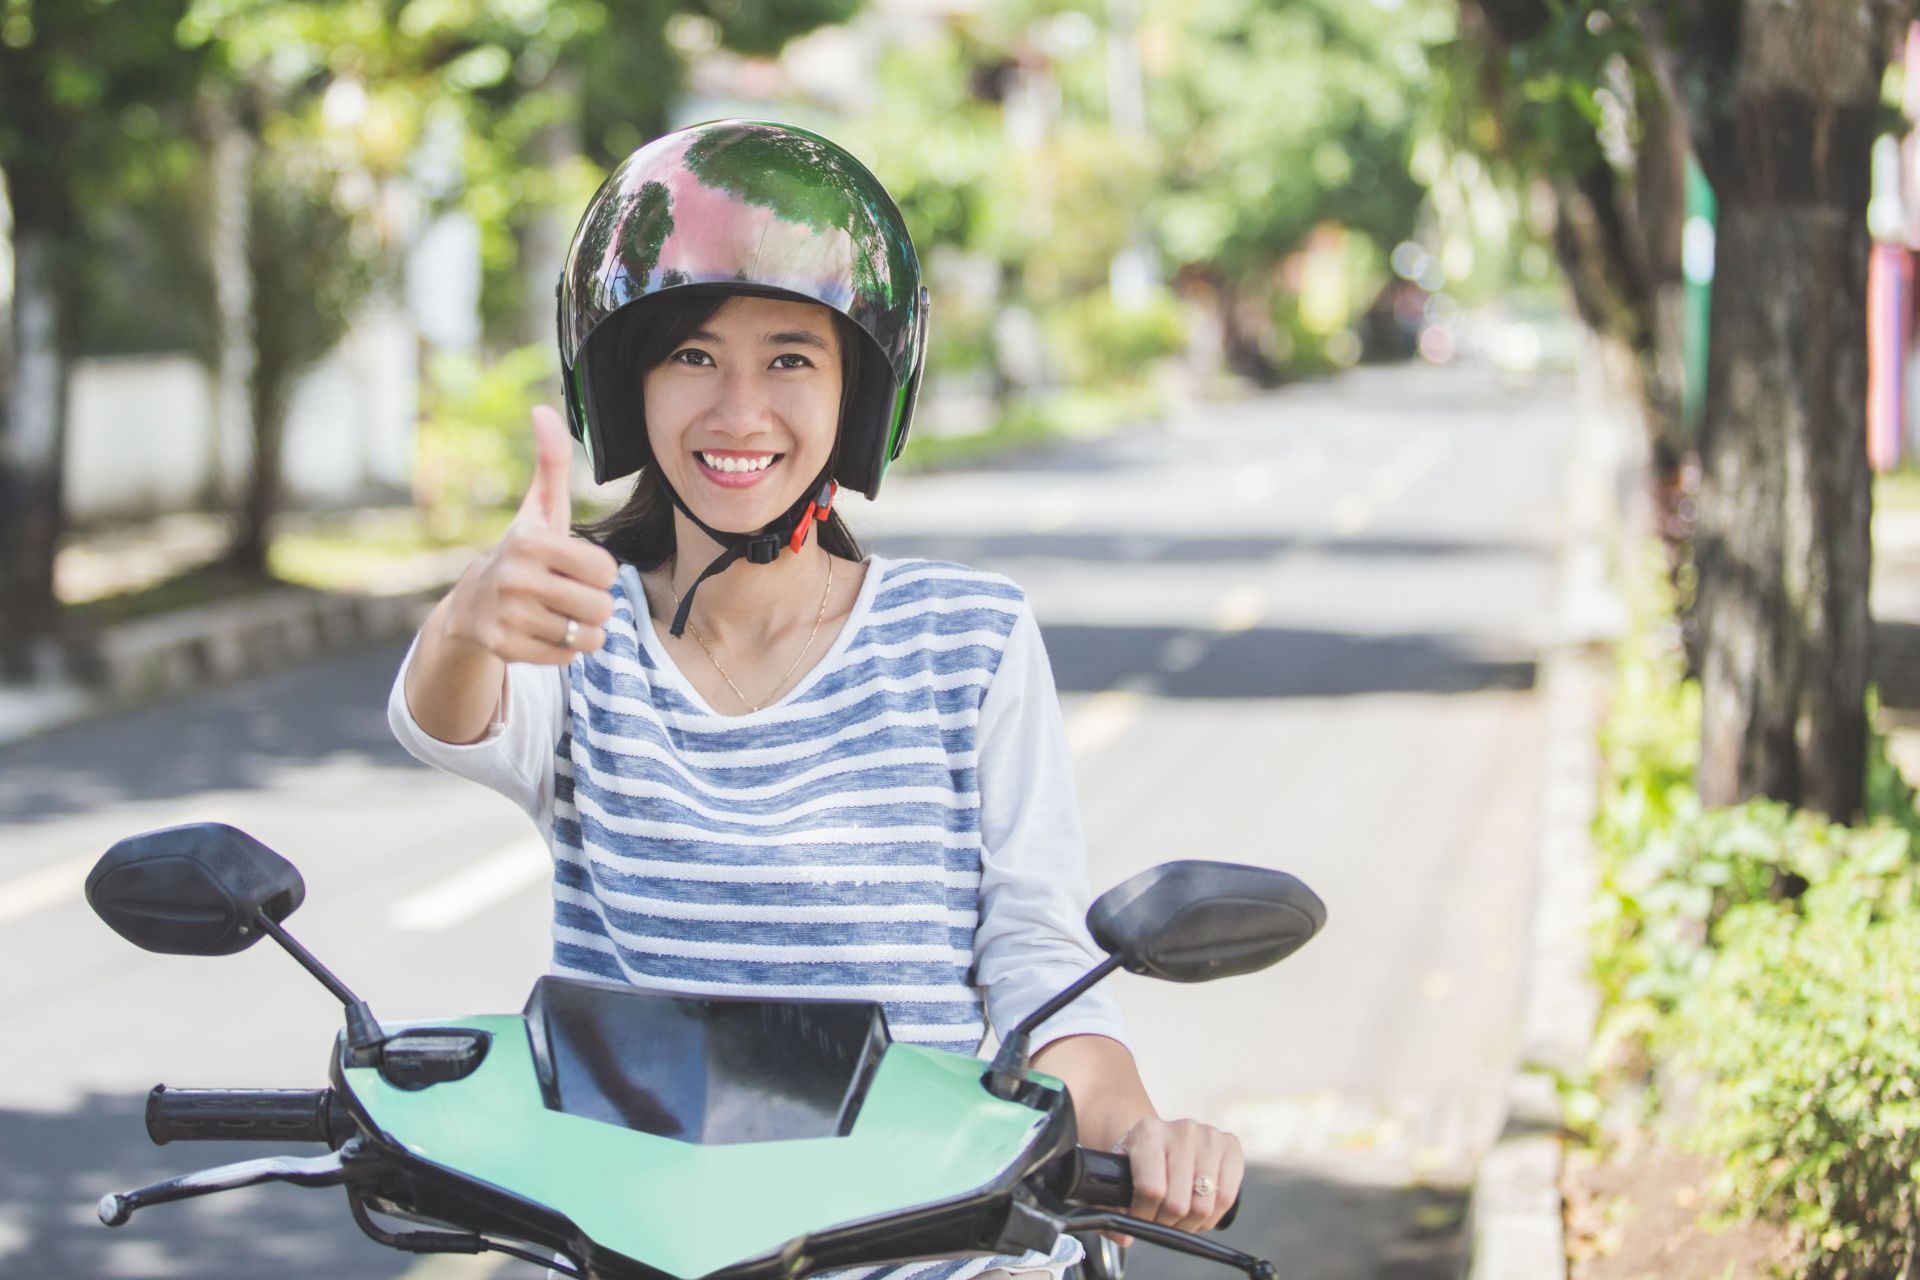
<point>748,207</point>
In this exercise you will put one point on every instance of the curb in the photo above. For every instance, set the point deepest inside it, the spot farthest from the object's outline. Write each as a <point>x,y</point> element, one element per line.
<point>189,649</point>
<point>1515,1229</point>
<point>1514,1216</point>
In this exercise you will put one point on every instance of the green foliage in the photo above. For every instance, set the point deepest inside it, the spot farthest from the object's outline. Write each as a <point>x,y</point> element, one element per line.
<point>1275,118</point>
<point>149,286</point>
<point>79,84</point>
<point>1096,343</point>
<point>1536,89</point>
<point>311,262</point>
<point>515,89</point>
<point>1263,126</point>
<point>1806,1033</point>
<point>474,449</point>
<point>1768,953</point>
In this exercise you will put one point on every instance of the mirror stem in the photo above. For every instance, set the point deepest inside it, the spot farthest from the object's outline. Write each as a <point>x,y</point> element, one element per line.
<point>364,1036</point>
<point>1009,1067</point>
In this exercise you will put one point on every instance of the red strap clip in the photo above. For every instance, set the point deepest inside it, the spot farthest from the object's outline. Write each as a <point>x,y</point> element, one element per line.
<point>816,511</point>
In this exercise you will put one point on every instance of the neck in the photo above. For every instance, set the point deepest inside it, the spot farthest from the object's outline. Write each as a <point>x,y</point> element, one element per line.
<point>744,600</point>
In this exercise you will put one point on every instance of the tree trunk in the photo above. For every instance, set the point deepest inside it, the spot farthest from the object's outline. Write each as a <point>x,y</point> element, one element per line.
<point>544,237</point>
<point>31,435</point>
<point>232,148</point>
<point>269,393</point>
<point>1783,546</point>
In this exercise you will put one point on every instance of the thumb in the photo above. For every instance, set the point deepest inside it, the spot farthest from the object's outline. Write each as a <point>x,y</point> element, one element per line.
<point>547,501</point>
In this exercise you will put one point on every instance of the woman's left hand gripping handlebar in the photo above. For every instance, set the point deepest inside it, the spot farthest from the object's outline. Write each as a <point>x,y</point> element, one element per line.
<point>1185,1174</point>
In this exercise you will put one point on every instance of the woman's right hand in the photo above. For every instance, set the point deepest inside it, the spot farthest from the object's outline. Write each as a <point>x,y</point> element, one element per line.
<point>515,601</point>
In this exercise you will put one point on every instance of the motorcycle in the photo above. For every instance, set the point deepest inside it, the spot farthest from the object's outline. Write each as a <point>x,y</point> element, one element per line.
<point>615,1133</point>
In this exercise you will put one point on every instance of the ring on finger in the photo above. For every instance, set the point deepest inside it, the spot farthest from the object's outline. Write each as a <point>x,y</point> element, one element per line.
<point>571,634</point>
<point>1203,1186</point>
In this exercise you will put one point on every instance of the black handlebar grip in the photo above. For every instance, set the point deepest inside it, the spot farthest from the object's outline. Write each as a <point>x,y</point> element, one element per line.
<point>246,1115</point>
<point>1104,1179</point>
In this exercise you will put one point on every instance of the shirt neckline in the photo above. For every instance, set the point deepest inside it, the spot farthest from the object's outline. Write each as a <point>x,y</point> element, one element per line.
<point>663,661</point>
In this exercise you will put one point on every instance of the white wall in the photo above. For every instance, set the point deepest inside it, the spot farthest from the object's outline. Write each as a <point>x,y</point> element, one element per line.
<point>140,436</point>
<point>350,428</point>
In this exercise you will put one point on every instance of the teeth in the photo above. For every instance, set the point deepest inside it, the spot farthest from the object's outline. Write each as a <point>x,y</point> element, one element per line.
<point>719,463</point>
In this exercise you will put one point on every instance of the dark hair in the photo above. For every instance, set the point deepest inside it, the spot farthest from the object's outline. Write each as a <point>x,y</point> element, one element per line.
<point>641,531</point>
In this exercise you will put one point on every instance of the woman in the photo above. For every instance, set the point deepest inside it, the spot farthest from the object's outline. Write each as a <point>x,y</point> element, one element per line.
<point>765,763</point>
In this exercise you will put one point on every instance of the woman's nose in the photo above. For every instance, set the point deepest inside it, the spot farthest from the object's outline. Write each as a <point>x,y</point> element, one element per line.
<point>742,404</point>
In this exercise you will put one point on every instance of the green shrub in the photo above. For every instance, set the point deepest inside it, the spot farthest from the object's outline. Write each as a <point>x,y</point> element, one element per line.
<point>1669,869</point>
<point>1805,1032</point>
<point>1771,956</point>
<point>1096,344</point>
<point>475,442</point>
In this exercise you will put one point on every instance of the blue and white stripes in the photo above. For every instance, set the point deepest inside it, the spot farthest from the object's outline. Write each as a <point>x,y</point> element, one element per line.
<point>827,846</point>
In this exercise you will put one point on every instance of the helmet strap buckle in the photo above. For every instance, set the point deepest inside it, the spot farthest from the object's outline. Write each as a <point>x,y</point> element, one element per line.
<point>818,510</point>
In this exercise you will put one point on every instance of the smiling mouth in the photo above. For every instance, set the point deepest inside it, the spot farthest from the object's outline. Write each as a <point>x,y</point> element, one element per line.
<point>736,463</point>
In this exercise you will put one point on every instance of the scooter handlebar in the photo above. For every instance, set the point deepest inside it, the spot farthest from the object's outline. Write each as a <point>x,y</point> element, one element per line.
<point>247,1115</point>
<point>1104,1180</point>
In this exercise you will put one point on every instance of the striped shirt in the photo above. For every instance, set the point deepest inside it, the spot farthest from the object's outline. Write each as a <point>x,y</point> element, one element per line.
<point>899,827</point>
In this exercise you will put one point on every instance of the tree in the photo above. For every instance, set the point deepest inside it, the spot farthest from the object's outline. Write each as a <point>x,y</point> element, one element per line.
<point>1273,119</point>
<point>1567,95</point>
<point>309,270</point>
<point>1783,107</point>
<point>528,90</point>
<point>71,78</point>
<point>1779,104</point>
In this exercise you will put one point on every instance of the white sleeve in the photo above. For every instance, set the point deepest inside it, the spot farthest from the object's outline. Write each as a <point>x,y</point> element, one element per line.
<point>516,756</point>
<point>1032,939</point>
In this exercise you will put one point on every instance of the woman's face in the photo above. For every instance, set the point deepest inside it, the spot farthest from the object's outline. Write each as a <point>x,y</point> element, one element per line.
<point>742,414</point>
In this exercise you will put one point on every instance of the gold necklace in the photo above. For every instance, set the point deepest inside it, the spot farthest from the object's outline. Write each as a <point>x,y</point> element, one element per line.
<point>715,660</point>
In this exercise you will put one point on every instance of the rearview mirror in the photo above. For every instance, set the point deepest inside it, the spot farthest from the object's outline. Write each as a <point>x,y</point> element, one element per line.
<point>1192,921</point>
<point>196,890</point>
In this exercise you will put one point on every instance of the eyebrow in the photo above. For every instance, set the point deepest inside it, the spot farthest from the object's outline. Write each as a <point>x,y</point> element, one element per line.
<point>788,338</point>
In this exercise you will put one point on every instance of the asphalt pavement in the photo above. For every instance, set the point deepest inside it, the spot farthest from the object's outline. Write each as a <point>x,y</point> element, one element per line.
<point>1299,630</point>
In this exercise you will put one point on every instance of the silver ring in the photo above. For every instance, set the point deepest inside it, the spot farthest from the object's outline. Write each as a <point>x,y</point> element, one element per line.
<point>1203,1186</point>
<point>571,634</point>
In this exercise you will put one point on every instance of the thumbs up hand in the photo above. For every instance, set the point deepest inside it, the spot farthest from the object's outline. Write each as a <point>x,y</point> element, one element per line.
<point>548,503</point>
<point>516,601</point>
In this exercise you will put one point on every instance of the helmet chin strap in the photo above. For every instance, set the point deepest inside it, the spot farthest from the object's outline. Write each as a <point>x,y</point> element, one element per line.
<point>761,547</point>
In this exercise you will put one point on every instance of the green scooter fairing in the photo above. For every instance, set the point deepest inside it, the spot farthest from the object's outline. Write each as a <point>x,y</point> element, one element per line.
<point>911,1165</point>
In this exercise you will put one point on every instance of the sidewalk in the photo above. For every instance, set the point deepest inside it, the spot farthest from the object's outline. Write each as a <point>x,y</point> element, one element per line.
<point>130,663</point>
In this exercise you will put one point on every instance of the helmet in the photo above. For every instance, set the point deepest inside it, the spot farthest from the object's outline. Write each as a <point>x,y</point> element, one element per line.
<point>749,207</point>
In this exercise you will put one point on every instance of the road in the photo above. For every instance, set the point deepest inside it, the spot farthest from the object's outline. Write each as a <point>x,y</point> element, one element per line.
<point>1299,631</point>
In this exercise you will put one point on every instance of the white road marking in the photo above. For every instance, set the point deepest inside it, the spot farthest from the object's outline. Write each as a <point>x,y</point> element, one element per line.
<point>50,886</point>
<point>47,887</point>
<point>1350,516</point>
<point>1055,509</point>
<point>1102,719</point>
<point>1392,481</point>
<point>463,895</point>
<point>1389,484</point>
<point>1253,484</point>
<point>1240,609</point>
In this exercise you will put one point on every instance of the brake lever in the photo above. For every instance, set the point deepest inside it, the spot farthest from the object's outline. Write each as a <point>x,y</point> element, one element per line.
<point>1171,1238</point>
<point>353,1162</point>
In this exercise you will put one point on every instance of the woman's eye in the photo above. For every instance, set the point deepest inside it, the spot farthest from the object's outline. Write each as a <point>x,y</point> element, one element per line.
<point>804,363</point>
<point>691,355</point>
